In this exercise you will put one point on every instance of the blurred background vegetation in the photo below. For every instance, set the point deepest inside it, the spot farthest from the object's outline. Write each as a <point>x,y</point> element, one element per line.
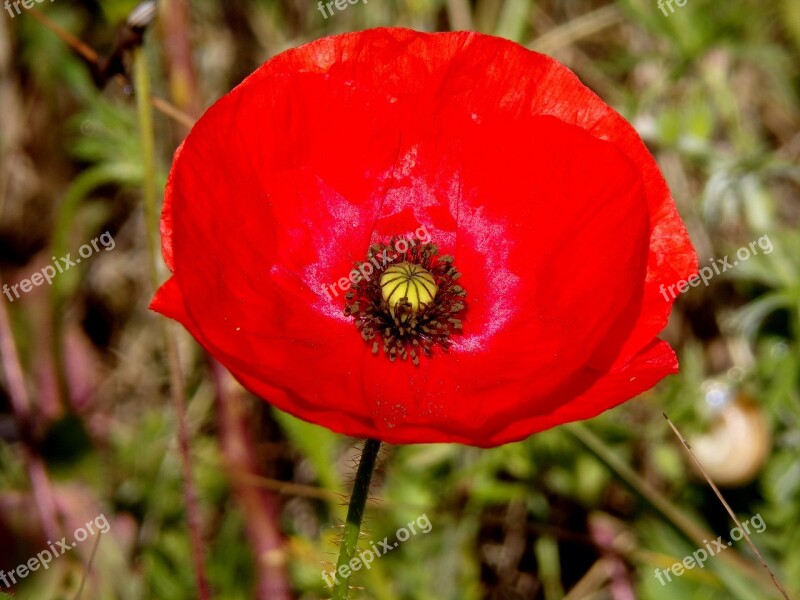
<point>87,426</point>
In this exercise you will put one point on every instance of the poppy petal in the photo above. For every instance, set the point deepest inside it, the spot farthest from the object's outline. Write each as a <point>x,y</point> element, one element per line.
<point>559,220</point>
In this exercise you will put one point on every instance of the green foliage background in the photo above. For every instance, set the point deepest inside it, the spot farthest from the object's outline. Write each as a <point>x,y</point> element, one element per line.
<point>712,88</point>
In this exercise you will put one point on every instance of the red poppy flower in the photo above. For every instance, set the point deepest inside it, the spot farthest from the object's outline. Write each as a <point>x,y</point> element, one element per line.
<point>537,231</point>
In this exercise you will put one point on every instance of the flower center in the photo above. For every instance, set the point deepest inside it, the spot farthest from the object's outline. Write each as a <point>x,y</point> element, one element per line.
<point>410,283</point>
<point>407,299</point>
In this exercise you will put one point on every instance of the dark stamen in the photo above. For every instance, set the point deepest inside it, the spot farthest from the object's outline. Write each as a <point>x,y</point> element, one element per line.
<point>424,317</point>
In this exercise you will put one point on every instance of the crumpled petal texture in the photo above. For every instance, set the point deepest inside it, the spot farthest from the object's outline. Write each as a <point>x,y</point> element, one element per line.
<point>555,212</point>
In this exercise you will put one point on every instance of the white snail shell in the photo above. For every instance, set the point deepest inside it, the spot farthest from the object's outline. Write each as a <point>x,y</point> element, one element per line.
<point>736,446</point>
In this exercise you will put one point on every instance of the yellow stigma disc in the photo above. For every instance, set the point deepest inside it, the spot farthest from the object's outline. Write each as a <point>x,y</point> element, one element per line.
<point>407,280</point>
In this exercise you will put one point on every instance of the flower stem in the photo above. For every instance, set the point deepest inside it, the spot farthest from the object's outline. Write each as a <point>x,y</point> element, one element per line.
<point>355,514</point>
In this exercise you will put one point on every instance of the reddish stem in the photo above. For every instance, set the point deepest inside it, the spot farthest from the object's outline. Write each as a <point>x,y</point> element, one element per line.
<point>259,505</point>
<point>193,519</point>
<point>20,405</point>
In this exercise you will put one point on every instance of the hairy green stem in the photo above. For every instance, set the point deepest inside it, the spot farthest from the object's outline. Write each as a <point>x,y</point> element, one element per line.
<point>355,514</point>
